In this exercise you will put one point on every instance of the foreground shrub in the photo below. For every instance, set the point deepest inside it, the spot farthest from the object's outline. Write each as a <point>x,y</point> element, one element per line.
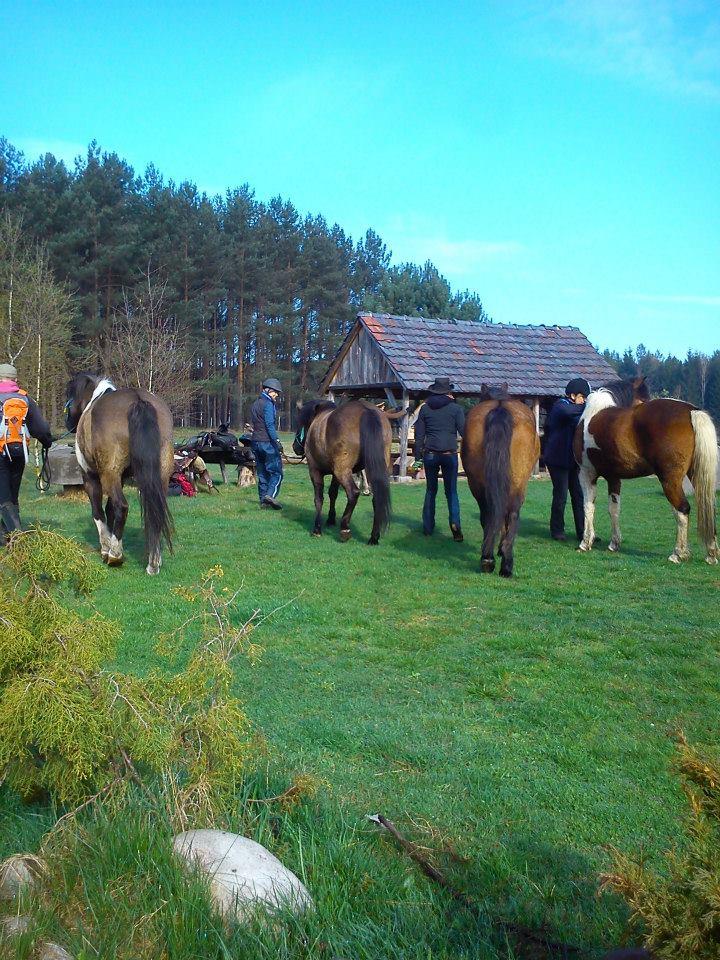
<point>679,913</point>
<point>72,729</point>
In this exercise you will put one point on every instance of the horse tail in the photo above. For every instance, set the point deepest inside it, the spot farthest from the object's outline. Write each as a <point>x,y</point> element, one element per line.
<point>496,460</point>
<point>372,453</point>
<point>704,472</point>
<point>145,443</point>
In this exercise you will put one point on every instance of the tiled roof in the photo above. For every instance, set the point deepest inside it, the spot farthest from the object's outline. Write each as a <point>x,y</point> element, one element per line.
<point>534,360</point>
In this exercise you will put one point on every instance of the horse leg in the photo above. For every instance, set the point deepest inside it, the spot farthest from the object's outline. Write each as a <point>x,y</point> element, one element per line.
<point>116,510</point>
<point>318,482</point>
<point>93,488</point>
<point>672,488</point>
<point>353,492</point>
<point>332,494</point>
<point>614,511</point>
<point>508,538</point>
<point>588,482</point>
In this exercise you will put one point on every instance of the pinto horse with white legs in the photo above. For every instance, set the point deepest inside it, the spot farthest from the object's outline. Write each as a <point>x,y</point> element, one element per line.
<point>624,434</point>
<point>122,434</point>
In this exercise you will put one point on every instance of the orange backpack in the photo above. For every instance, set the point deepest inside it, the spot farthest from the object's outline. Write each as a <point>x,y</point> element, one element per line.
<point>12,427</point>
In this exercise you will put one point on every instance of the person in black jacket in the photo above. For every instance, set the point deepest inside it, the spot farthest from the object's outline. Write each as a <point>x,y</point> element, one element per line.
<point>437,427</point>
<point>560,460</point>
<point>13,442</point>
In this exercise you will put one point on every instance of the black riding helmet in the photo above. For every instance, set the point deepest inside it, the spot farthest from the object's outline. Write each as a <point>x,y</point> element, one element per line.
<point>272,383</point>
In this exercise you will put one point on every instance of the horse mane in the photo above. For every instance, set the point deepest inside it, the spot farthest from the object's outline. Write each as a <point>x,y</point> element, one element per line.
<point>624,392</point>
<point>309,410</point>
<point>494,393</point>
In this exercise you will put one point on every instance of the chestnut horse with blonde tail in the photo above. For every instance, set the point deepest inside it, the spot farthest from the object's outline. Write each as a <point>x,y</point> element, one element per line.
<point>340,441</point>
<point>624,434</point>
<point>122,434</point>
<point>499,449</point>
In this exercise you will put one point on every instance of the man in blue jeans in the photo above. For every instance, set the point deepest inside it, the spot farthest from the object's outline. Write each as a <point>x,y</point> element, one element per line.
<point>266,444</point>
<point>440,422</point>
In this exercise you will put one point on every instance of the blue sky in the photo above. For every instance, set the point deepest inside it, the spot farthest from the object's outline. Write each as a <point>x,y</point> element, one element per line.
<point>561,158</point>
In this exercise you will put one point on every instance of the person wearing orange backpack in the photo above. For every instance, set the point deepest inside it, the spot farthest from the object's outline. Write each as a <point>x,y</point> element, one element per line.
<point>20,419</point>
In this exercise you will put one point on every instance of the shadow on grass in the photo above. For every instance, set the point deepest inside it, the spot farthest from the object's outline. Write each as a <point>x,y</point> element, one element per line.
<point>533,901</point>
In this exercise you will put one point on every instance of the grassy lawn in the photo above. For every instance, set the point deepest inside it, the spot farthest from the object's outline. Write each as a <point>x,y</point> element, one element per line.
<point>525,724</point>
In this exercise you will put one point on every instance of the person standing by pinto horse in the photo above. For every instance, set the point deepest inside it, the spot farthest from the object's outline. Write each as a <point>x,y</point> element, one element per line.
<point>21,419</point>
<point>266,444</point>
<point>440,422</point>
<point>560,460</point>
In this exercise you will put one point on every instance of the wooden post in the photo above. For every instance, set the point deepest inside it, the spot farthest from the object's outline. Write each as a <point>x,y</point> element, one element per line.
<point>404,431</point>
<point>536,411</point>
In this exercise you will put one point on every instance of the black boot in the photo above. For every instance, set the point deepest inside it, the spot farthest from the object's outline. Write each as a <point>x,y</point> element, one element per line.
<point>10,516</point>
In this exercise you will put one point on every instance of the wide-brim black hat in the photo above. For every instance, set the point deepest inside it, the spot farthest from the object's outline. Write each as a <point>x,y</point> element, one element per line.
<point>441,385</point>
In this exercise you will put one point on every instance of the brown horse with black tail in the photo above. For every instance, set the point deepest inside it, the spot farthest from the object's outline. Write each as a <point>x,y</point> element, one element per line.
<point>624,434</point>
<point>499,449</point>
<point>340,441</point>
<point>121,434</point>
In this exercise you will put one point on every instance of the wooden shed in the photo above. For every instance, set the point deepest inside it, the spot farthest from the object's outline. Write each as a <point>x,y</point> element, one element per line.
<point>396,358</point>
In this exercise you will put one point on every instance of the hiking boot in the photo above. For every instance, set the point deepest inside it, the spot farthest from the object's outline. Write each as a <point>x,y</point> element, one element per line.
<point>271,502</point>
<point>10,516</point>
<point>457,534</point>
<point>559,536</point>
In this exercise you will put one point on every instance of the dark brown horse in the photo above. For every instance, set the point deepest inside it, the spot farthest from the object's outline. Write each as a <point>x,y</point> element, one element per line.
<point>122,433</point>
<point>499,449</point>
<point>624,434</point>
<point>342,440</point>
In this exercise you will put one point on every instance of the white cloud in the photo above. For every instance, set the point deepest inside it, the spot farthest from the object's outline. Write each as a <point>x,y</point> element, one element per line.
<point>417,239</point>
<point>61,149</point>
<point>692,299</point>
<point>671,45</point>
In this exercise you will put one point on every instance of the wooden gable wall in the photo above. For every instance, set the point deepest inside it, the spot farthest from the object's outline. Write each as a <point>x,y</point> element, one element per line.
<point>363,363</point>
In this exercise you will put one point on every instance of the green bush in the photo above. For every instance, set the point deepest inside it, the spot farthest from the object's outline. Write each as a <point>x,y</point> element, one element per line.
<point>71,729</point>
<point>678,913</point>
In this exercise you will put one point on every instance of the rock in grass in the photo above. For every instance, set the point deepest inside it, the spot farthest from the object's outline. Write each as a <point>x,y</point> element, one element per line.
<point>53,951</point>
<point>243,874</point>
<point>13,926</point>
<point>18,872</point>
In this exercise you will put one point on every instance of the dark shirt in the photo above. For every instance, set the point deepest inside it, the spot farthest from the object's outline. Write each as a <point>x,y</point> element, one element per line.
<point>440,421</point>
<point>559,432</point>
<point>262,418</point>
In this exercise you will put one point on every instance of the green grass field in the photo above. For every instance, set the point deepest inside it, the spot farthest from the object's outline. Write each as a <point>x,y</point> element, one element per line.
<point>525,724</point>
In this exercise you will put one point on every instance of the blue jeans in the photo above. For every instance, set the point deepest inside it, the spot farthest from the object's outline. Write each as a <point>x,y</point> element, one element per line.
<point>269,468</point>
<point>433,463</point>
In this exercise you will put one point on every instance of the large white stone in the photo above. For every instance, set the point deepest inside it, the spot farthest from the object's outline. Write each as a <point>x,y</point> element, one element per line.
<point>243,874</point>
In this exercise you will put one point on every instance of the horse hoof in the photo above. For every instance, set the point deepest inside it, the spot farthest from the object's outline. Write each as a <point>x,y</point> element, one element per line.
<point>104,557</point>
<point>316,533</point>
<point>674,558</point>
<point>613,547</point>
<point>373,542</point>
<point>345,536</point>
<point>115,561</point>
<point>711,559</point>
<point>487,566</point>
<point>584,547</point>
<point>152,571</point>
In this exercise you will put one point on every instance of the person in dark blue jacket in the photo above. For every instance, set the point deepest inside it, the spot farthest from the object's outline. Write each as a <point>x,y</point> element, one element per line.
<point>560,460</point>
<point>266,444</point>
